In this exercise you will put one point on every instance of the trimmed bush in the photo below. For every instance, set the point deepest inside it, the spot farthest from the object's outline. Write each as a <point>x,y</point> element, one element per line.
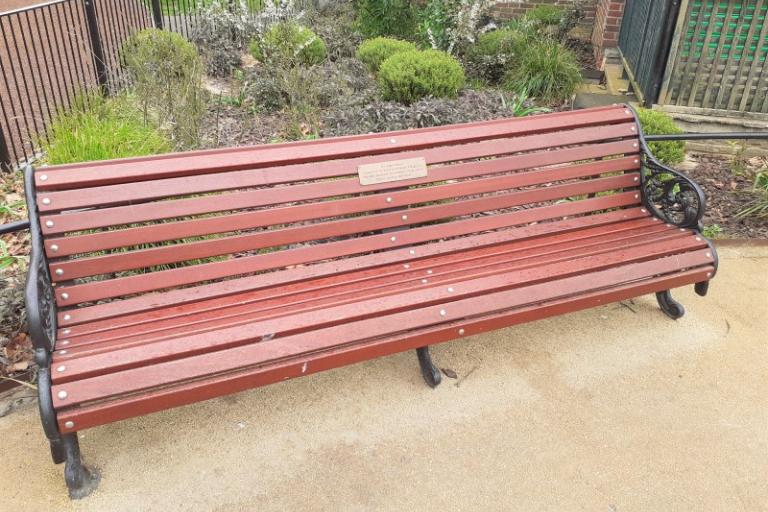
<point>494,52</point>
<point>655,122</point>
<point>547,71</point>
<point>397,18</point>
<point>409,76</point>
<point>289,44</point>
<point>167,76</point>
<point>374,52</point>
<point>95,128</point>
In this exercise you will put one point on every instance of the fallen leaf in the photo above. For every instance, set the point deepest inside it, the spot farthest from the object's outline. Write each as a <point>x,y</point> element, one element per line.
<point>449,373</point>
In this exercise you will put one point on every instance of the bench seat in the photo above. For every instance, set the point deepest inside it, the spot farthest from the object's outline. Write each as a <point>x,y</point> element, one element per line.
<point>161,281</point>
<point>377,306</point>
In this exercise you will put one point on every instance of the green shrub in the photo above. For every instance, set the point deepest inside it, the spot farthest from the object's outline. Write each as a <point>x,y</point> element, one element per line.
<point>395,18</point>
<point>655,122</point>
<point>166,73</point>
<point>409,76</point>
<point>545,15</point>
<point>95,128</point>
<point>546,70</point>
<point>289,44</point>
<point>374,52</point>
<point>494,52</point>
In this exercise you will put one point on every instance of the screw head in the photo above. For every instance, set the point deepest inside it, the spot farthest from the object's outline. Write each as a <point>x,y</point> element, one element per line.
<point>61,368</point>
<point>69,424</point>
<point>393,239</point>
<point>54,248</point>
<point>632,128</point>
<point>637,179</point>
<point>461,332</point>
<point>643,210</point>
<point>698,239</point>
<point>67,331</point>
<point>62,352</point>
<point>709,255</point>
<point>442,312</point>
<point>64,343</point>
<point>411,252</point>
<point>709,274</point>
<point>62,395</point>
<point>43,177</point>
<point>637,196</point>
<point>450,289</point>
<point>393,141</point>
<point>424,281</point>
<point>406,266</point>
<point>49,223</point>
<point>389,199</point>
<point>637,161</point>
<point>65,295</point>
<point>67,317</point>
<point>46,200</point>
<point>59,272</point>
<point>404,217</point>
<point>429,271</point>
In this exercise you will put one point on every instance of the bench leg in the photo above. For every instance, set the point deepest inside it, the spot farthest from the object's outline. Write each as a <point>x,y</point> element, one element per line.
<point>81,481</point>
<point>429,371</point>
<point>57,451</point>
<point>701,288</point>
<point>669,306</point>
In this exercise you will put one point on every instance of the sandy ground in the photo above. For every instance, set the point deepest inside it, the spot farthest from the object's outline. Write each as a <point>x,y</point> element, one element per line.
<point>612,409</point>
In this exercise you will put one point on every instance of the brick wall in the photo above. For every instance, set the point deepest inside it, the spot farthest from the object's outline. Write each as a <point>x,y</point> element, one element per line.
<point>606,30</point>
<point>514,9</point>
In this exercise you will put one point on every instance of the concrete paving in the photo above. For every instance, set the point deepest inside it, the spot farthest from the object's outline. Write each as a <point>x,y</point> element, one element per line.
<point>613,409</point>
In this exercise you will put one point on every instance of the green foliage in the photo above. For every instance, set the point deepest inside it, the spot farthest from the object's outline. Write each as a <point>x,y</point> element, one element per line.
<point>655,122</point>
<point>336,25</point>
<point>547,70</point>
<point>494,52</point>
<point>288,44</point>
<point>373,52</point>
<point>520,105</point>
<point>95,128</point>
<point>396,18</point>
<point>759,206</point>
<point>451,25</point>
<point>545,15</point>
<point>409,76</point>
<point>166,73</point>
<point>712,231</point>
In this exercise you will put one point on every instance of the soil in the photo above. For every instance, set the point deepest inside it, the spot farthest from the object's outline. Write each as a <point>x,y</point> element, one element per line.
<point>728,185</point>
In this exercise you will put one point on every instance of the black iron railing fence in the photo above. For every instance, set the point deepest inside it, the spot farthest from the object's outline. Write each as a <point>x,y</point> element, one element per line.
<point>53,51</point>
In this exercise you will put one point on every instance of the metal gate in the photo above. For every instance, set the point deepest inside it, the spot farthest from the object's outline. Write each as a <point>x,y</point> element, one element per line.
<point>644,41</point>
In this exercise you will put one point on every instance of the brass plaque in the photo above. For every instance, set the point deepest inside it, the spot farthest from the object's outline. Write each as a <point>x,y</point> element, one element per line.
<point>394,170</point>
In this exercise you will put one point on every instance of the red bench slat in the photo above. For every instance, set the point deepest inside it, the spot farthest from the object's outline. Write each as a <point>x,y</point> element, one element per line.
<point>363,276</point>
<point>78,367</point>
<point>123,215</point>
<point>434,271</point>
<point>150,303</point>
<point>201,162</point>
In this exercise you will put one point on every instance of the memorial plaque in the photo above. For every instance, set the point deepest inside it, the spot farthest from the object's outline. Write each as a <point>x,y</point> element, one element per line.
<point>394,170</point>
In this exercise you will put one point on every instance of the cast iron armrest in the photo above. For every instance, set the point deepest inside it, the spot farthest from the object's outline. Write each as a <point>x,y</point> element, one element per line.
<point>667,193</point>
<point>39,297</point>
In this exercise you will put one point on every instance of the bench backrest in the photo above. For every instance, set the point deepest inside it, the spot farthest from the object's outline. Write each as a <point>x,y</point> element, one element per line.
<point>125,228</point>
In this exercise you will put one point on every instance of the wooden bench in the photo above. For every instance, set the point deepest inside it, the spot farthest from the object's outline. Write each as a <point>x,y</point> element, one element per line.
<point>158,282</point>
